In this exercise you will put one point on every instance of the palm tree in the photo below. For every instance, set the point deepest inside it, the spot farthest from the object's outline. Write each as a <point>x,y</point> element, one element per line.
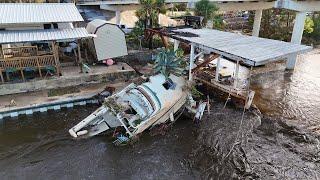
<point>149,12</point>
<point>169,62</point>
<point>206,9</point>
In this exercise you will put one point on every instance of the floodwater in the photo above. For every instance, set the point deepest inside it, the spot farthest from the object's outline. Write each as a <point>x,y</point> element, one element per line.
<point>294,96</point>
<point>39,147</point>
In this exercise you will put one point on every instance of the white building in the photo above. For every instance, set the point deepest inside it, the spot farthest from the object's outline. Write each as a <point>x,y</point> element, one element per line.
<point>25,25</point>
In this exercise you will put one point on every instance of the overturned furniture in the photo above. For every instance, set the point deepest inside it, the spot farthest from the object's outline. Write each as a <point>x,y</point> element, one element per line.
<point>110,39</point>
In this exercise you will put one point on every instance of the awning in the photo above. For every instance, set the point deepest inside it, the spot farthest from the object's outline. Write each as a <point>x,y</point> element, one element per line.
<point>253,51</point>
<point>22,36</point>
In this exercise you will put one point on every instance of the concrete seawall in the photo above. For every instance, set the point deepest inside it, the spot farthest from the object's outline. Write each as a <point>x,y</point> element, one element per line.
<point>65,81</point>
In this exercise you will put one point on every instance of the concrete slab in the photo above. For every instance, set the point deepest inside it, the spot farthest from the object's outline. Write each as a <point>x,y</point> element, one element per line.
<point>40,101</point>
<point>72,77</point>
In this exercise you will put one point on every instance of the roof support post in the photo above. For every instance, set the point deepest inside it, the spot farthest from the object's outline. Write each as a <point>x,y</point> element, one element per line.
<point>176,44</point>
<point>296,36</point>
<point>79,55</point>
<point>1,75</point>
<point>218,68</point>
<point>191,63</point>
<point>236,75</point>
<point>257,22</point>
<point>159,19</point>
<point>56,57</point>
<point>298,27</point>
<point>118,17</point>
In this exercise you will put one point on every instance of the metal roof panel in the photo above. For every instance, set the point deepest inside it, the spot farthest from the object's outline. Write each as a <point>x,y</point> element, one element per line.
<point>250,49</point>
<point>20,36</point>
<point>31,13</point>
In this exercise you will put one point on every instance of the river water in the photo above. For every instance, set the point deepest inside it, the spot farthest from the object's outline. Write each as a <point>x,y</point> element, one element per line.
<point>39,147</point>
<point>291,95</point>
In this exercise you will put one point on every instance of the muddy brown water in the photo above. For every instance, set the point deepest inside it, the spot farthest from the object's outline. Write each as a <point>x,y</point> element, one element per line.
<point>39,147</point>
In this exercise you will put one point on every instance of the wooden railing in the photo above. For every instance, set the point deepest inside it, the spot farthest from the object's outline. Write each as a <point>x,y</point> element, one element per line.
<point>22,63</point>
<point>1,54</point>
<point>24,51</point>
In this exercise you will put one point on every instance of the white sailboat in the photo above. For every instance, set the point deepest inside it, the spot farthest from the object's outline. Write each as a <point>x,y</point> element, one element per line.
<point>137,107</point>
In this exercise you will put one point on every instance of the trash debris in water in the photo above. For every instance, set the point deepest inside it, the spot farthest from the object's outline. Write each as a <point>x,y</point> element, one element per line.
<point>121,140</point>
<point>199,111</point>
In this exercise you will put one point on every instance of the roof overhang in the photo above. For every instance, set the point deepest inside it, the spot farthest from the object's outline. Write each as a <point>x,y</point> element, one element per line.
<point>22,36</point>
<point>38,13</point>
<point>253,51</point>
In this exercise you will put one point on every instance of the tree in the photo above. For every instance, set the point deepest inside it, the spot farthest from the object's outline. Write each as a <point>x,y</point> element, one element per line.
<point>206,9</point>
<point>148,16</point>
<point>277,24</point>
<point>308,25</point>
<point>314,36</point>
<point>169,62</point>
<point>149,12</point>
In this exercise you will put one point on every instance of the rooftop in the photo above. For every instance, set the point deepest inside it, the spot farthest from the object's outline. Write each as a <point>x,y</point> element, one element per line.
<point>31,13</point>
<point>19,36</point>
<point>251,50</point>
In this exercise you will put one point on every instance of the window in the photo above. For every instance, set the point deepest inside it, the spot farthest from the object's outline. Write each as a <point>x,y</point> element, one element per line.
<point>47,26</point>
<point>169,84</point>
<point>130,111</point>
<point>55,25</point>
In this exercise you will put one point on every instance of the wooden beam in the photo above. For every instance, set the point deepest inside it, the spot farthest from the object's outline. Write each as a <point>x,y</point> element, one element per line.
<point>164,41</point>
<point>227,89</point>
<point>205,62</point>
<point>38,64</point>
<point>1,75</point>
<point>218,69</point>
<point>236,75</point>
<point>192,49</point>
<point>55,53</point>
<point>21,70</point>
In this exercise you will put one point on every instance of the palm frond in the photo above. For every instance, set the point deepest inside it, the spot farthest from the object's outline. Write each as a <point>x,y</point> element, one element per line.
<point>167,62</point>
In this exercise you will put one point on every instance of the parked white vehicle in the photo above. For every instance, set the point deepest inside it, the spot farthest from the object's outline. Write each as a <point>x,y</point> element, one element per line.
<point>137,107</point>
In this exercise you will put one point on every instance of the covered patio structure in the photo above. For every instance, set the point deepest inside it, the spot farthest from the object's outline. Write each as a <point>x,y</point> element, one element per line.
<point>209,48</point>
<point>32,58</point>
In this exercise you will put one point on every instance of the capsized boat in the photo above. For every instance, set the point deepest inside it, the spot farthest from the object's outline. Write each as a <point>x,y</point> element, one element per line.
<point>137,107</point>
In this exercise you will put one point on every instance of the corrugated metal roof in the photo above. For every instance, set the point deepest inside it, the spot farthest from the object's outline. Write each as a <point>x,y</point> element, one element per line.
<point>26,13</point>
<point>19,36</point>
<point>251,50</point>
